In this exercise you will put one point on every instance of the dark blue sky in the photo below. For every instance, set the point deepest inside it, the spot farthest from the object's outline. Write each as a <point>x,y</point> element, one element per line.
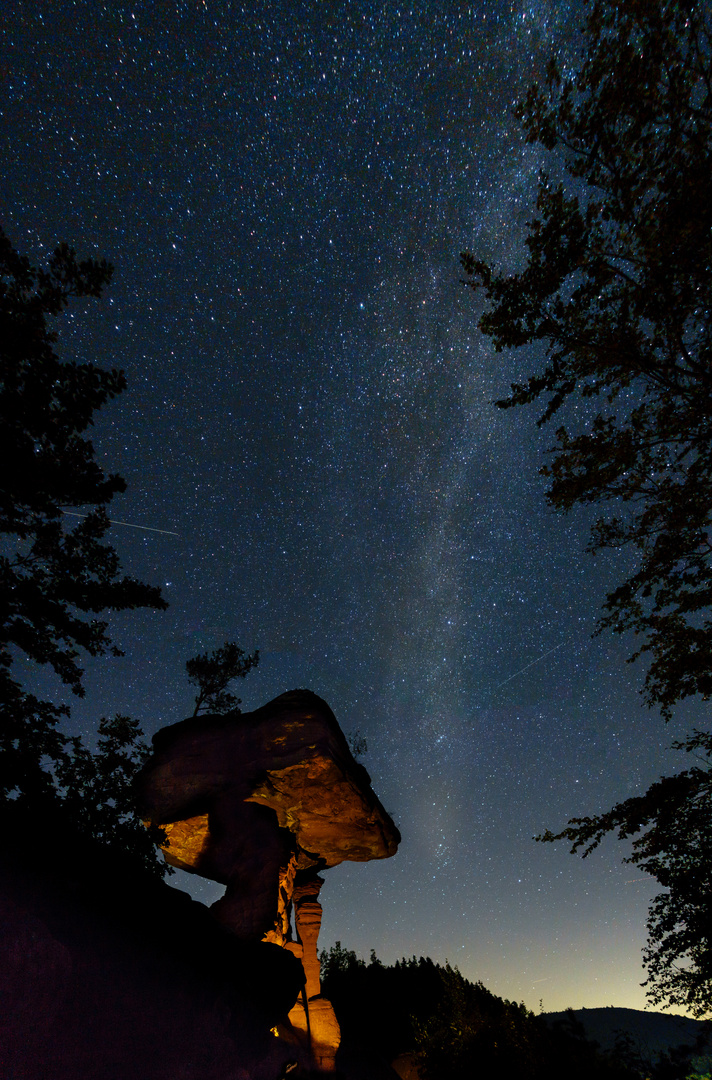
<point>284,190</point>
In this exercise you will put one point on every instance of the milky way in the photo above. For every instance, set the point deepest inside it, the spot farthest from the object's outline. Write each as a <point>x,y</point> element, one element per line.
<point>284,190</point>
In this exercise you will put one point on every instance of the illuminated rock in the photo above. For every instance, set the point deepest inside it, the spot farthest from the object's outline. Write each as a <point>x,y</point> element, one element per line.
<point>290,756</point>
<point>262,802</point>
<point>307,921</point>
<point>321,1026</point>
<point>322,1031</point>
<point>406,1066</point>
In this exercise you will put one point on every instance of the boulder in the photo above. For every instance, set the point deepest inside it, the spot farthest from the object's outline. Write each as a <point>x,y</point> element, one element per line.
<point>291,757</point>
<point>262,802</point>
<point>106,972</point>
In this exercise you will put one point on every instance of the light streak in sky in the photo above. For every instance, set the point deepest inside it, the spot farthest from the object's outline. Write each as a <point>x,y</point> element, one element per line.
<point>146,528</point>
<point>531,664</point>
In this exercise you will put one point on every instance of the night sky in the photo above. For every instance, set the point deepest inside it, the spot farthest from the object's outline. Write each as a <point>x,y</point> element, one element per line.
<point>314,464</point>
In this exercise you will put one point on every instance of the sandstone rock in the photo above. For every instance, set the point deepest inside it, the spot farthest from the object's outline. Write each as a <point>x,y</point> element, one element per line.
<point>251,799</point>
<point>106,972</point>
<point>261,802</point>
<point>290,756</point>
<point>322,1030</point>
<point>307,921</point>
<point>406,1066</point>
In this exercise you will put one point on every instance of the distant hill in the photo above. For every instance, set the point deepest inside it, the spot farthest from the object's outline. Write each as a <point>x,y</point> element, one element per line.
<point>651,1032</point>
<point>418,1012</point>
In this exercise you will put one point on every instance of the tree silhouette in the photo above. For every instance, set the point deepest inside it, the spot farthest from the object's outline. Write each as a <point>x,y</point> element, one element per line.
<point>213,672</point>
<point>98,795</point>
<point>456,1029</point>
<point>672,826</point>
<point>617,288</point>
<point>56,575</point>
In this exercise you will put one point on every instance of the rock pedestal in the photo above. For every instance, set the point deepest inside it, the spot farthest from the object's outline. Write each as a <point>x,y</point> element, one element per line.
<point>307,921</point>
<point>319,1021</point>
<point>321,1030</point>
<point>262,802</point>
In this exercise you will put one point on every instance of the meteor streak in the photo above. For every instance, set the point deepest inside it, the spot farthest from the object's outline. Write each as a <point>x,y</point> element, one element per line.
<point>145,528</point>
<point>531,664</point>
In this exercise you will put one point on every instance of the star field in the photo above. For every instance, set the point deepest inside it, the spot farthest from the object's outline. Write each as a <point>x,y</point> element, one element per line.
<point>284,189</point>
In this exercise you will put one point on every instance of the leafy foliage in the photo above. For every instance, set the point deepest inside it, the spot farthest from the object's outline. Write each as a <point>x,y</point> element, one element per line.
<point>456,1028</point>
<point>54,578</point>
<point>358,744</point>
<point>672,824</point>
<point>97,792</point>
<point>213,672</point>
<point>383,1004</point>
<point>618,288</point>
<point>29,742</point>
<point>474,1029</point>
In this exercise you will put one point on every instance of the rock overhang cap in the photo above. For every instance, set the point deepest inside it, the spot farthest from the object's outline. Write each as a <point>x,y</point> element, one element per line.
<point>289,755</point>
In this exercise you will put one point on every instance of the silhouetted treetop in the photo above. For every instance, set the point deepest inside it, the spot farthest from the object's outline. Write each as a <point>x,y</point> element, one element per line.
<point>672,828</point>
<point>213,672</point>
<point>618,289</point>
<point>56,574</point>
<point>616,297</point>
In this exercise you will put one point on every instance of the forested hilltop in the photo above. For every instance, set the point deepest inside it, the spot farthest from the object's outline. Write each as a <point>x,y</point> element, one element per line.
<point>650,1033</point>
<point>428,1016</point>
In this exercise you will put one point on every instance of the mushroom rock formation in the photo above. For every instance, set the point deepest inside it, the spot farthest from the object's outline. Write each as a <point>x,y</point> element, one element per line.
<point>262,802</point>
<point>318,1020</point>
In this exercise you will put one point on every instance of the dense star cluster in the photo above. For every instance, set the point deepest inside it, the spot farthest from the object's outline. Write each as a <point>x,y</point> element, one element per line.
<point>315,467</point>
